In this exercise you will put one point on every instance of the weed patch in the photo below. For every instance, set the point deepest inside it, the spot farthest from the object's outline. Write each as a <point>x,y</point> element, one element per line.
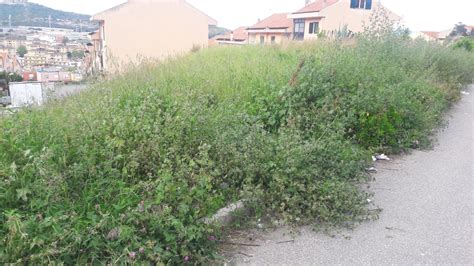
<point>129,170</point>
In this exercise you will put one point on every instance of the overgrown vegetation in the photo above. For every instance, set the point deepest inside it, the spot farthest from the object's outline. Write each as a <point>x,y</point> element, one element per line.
<point>466,43</point>
<point>128,171</point>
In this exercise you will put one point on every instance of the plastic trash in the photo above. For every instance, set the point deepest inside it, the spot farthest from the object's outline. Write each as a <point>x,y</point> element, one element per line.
<point>381,157</point>
<point>465,93</point>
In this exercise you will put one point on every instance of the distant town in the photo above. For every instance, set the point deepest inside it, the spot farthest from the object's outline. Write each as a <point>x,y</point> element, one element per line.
<point>46,46</point>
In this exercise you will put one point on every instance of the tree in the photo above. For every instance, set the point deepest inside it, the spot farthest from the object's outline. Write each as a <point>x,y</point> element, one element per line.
<point>21,51</point>
<point>15,77</point>
<point>10,76</point>
<point>460,29</point>
<point>78,54</point>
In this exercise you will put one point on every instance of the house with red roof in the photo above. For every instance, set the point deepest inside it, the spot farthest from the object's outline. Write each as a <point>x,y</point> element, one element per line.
<point>277,28</point>
<point>316,17</point>
<point>332,16</point>
<point>439,36</point>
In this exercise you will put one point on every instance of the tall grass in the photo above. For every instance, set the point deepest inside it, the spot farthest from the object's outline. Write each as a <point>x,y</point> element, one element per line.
<point>128,170</point>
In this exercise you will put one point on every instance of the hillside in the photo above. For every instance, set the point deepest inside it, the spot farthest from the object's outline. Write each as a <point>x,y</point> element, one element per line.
<point>36,15</point>
<point>215,30</point>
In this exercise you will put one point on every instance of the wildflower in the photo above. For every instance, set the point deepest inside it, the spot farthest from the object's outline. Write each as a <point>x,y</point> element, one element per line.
<point>212,238</point>
<point>186,259</point>
<point>141,250</point>
<point>132,255</point>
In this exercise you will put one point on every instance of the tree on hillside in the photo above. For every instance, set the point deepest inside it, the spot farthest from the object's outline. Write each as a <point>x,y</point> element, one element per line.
<point>21,51</point>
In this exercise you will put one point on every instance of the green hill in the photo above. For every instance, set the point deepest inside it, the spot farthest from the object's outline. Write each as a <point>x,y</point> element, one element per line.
<point>36,15</point>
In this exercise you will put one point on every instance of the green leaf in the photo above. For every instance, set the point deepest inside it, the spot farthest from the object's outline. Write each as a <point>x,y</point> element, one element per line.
<point>23,194</point>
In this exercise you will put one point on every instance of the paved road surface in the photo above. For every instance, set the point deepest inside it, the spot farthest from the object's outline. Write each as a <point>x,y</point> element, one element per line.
<point>427,199</point>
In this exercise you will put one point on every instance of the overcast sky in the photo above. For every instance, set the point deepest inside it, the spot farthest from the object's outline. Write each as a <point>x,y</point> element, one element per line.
<point>433,15</point>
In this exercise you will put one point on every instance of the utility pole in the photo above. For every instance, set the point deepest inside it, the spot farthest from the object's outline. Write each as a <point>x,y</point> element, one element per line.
<point>10,21</point>
<point>49,19</point>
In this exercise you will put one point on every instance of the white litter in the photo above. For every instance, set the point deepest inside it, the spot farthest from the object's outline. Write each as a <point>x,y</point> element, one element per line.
<point>381,157</point>
<point>465,93</point>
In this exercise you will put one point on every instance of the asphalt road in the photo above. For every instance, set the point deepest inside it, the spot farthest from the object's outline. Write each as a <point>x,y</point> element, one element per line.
<point>427,218</point>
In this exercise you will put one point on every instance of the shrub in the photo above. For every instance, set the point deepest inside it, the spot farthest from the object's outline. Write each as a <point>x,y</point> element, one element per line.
<point>466,43</point>
<point>128,171</point>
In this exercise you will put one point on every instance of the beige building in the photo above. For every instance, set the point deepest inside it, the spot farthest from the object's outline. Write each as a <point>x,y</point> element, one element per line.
<point>328,17</point>
<point>332,16</point>
<point>275,29</point>
<point>35,58</point>
<point>149,28</point>
<point>9,62</point>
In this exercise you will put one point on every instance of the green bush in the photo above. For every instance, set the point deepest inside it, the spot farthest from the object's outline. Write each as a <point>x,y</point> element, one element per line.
<point>466,43</point>
<point>129,170</point>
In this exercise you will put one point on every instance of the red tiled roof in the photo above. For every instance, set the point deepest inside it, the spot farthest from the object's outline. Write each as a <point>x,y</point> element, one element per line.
<point>432,34</point>
<point>316,6</point>
<point>275,21</point>
<point>240,33</point>
<point>470,28</point>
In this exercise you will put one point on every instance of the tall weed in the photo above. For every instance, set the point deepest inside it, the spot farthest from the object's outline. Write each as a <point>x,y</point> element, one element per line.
<point>129,170</point>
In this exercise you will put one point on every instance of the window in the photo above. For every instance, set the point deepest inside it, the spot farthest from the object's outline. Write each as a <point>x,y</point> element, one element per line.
<point>262,39</point>
<point>313,28</point>
<point>361,4</point>
<point>299,29</point>
<point>273,39</point>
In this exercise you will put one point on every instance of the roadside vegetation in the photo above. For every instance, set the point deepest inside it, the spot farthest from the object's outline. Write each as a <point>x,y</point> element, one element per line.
<point>129,170</point>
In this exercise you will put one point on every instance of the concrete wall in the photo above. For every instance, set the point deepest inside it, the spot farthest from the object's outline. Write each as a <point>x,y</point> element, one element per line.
<point>152,29</point>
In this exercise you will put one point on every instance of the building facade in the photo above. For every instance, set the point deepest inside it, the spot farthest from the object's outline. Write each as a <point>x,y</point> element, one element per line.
<point>321,17</point>
<point>154,29</point>
<point>330,17</point>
